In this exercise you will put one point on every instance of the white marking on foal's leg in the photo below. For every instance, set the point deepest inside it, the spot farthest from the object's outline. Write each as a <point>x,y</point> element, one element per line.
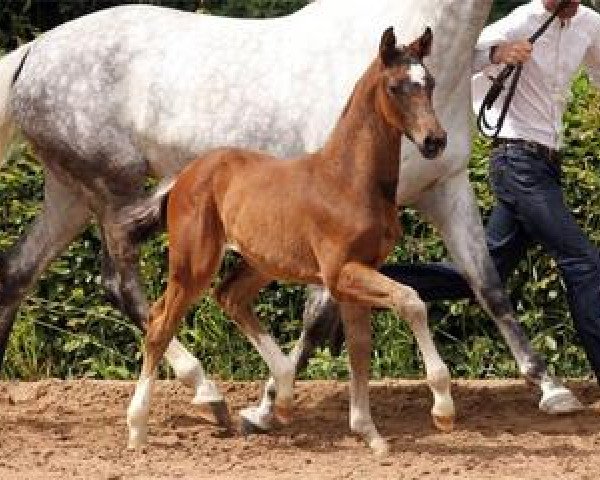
<point>282,371</point>
<point>261,417</point>
<point>357,327</point>
<point>361,421</point>
<point>438,375</point>
<point>138,412</point>
<point>189,370</point>
<point>273,405</point>
<point>211,405</point>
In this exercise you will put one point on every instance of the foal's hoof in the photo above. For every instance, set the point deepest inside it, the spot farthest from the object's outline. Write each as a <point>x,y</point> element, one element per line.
<point>253,422</point>
<point>215,413</point>
<point>443,423</point>
<point>380,447</point>
<point>137,439</point>
<point>283,414</point>
<point>558,401</point>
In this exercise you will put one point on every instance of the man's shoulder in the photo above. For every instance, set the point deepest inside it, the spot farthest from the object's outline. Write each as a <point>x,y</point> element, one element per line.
<point>523,14</point>
<point>518,23</point>
<point>587,22</point>
<point>588,13</point>
<point>529,9</point>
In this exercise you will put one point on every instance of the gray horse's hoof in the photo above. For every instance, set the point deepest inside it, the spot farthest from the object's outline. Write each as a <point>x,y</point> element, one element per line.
<point>216,413</point>
<point>560,401</point>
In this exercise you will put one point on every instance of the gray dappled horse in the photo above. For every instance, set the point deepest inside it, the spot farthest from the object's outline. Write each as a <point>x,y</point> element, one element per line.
<point>114,97</point>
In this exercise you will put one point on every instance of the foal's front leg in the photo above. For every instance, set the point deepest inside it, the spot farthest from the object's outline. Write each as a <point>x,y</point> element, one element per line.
<point>365,285</point>
<point>357,325</point>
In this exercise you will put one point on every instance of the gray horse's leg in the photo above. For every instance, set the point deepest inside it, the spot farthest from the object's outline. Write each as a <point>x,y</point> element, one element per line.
<point>120,277</point>
<point>63,216</point>
<point>451,207</point>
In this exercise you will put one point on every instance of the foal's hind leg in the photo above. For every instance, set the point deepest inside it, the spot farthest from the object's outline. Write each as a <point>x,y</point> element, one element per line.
<point>163,321</point>
<point>235,296</point>
<point>120,278</point>
<point>363,284</point>
<point>63,216</point>
<point>321,321</point>
<point>196,247</point>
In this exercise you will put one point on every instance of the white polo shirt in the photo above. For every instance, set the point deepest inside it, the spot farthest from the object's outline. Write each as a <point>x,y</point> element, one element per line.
<point>543,91</point>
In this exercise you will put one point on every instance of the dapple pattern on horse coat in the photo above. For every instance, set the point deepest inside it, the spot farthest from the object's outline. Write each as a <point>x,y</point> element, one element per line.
<point>138,90</point>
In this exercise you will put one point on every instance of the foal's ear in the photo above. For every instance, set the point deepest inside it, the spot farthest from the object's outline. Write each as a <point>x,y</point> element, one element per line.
<point>421,47</point>
<point>387,47</point>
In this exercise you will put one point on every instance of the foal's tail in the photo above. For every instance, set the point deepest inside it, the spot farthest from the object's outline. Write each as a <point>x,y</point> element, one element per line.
<point>10,67</point>
<point>147,216</point>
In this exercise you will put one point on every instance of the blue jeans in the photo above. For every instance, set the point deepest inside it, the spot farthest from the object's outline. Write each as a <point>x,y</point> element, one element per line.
<point>530,210</point>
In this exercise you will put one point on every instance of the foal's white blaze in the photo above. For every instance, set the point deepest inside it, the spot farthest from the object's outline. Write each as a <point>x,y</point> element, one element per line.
<point>417,74</point>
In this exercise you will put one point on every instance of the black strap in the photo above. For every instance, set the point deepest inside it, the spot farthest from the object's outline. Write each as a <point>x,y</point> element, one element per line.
<point>498,84</point>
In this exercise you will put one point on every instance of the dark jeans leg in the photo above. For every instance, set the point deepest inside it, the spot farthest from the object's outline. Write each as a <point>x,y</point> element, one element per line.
<point>532,188</point>
<point>506,240</point>
<point>530,209</point>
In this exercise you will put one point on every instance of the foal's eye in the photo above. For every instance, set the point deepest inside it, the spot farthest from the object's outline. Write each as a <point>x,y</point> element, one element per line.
<point>400,88</point>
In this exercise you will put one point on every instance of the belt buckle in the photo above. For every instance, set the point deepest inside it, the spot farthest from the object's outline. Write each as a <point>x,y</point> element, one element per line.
<point>531,146</point>
<point>540,149</point>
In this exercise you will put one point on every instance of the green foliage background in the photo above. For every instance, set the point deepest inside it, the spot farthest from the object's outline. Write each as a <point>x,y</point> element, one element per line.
<point>65,327</point>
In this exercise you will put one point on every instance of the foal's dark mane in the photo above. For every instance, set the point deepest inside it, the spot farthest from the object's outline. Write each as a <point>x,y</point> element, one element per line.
<point>19,69</point>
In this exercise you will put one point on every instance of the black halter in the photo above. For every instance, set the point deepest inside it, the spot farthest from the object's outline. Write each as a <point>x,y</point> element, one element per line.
<point>498,83</point>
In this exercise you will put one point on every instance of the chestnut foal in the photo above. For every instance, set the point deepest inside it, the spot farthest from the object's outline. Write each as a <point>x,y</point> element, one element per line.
<point>326,218</point>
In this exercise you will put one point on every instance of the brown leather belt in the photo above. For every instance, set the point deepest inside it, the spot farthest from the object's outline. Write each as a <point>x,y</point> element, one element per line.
<point>551,155</point>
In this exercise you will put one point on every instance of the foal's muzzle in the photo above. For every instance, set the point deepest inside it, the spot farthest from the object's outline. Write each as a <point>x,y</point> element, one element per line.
<point>434,145</point>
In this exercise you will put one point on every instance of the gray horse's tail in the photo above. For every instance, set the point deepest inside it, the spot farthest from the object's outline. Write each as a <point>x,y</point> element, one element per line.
<point>147,216</point>
<point>10,65</point>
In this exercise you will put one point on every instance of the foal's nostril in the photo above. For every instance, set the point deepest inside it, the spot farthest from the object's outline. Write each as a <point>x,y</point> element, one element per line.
<point>433,145</point>
<point>443,141</point>
<point>430,146</point>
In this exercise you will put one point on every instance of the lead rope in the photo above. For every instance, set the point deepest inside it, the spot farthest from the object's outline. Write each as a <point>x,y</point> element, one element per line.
<point>498,84</point>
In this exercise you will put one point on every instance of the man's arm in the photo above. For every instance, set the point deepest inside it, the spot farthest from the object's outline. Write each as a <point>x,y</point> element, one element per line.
<point>504,41</point>
<point>591,60</point>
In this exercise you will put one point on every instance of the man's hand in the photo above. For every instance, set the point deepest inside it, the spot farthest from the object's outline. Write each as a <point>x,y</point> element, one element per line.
<point>511,53</point>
